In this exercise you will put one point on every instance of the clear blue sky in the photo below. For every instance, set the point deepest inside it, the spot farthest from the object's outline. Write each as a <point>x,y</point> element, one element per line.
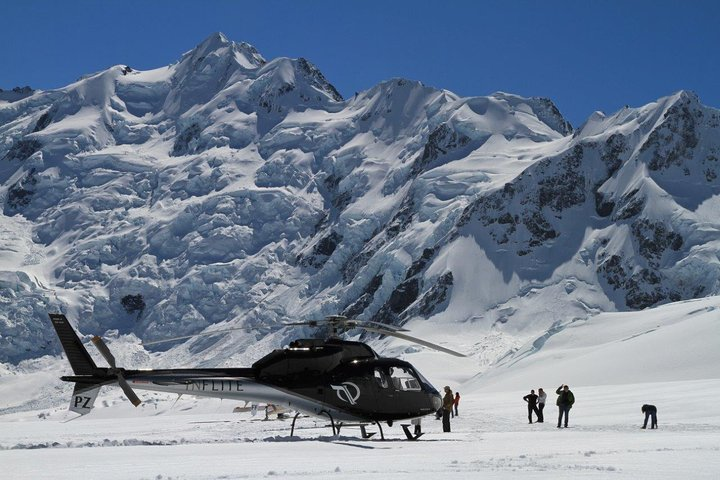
<point>584,55</point>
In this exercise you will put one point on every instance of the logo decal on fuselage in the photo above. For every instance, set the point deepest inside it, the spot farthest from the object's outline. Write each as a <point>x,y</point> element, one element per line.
<point>343,392</point>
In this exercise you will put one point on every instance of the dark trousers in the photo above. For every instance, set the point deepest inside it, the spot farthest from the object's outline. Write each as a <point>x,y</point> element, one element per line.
<point>533,408</point>
<point>541,418</point>
<point>456,413</point>
<point>563,410</point>
<point>446,420</point>
<point>652,415</point>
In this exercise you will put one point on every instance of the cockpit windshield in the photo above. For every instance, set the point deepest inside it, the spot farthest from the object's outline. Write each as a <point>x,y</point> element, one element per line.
<point>400,378</point>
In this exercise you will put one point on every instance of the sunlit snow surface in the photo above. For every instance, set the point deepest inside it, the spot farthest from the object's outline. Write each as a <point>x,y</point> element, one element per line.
<point>613,362</point>
<point>490,439</point>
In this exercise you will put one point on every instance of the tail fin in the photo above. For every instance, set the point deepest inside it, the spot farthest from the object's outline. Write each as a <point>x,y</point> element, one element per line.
<point>79,358</point>
<point>83,397</point>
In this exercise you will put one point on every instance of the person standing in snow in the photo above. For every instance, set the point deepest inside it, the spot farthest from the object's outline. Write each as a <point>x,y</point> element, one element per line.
<point>542,397</point>
<point>531,400</point>
<point>447,408</point>
<point>456,402</point>
<point>564,402</point>
<point>417,422</point>
<point>650,411</point>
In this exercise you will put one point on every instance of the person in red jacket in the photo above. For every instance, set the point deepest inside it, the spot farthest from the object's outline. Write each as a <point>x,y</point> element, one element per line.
<point>456,402</point>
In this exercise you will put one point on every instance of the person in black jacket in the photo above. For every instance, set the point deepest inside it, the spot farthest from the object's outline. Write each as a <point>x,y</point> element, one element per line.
<point>650,411</point>
<point>447,405</point>
<point>531,400</point>
<point>564,402</point>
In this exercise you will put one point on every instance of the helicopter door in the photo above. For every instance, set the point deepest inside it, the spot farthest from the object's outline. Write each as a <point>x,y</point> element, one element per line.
<point>385,391</point>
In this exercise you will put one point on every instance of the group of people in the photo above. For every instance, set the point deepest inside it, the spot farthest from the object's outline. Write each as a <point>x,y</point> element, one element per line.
<point>536,404</point>
<point>449,408</point>
<point>565,401</point>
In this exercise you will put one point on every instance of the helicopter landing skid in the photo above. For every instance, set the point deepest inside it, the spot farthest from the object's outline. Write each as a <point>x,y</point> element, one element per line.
<point>365,434</point>
<point>410,436</point>
<point>335,429</point>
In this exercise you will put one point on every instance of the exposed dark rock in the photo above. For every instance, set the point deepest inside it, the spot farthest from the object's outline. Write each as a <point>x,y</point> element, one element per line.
<point>436,295</point>
<point>133,303</point>
<point>327,245</point>
<point>43,121</point>
<point>539,228</point>
<point>654,239</point>
<point>552,117</point>
<point>358,261</point>
<point>567,189</point>
<point>323,249</point>
<point>186,142</point>
<point>615,146</point>
<point>603,207</point>
<point>359,305</point>
<point>644,290</point>
<point>441,141</point>
<point>318,79</point>
<point>338,199</point>
<point>23,149</point>
<point>630,206</point>
<point>613,272</point>
<point>17,93</point>
<point>419,264</point>
<point>21,192</point>
<point>672,143</point>
<point>404,295</point>
<point>402,217</point>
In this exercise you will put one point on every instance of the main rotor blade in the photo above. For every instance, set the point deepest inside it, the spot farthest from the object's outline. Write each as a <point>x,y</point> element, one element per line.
<point>311,323</point>
<point>419,341</point>
<point>382,325</point>
<point>201,334</point>
<point>347,322</point>
<point>104,350</point>
<point>129,392</point>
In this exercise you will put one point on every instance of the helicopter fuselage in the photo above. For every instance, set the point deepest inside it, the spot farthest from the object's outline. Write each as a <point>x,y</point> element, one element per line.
<point>342,379</point>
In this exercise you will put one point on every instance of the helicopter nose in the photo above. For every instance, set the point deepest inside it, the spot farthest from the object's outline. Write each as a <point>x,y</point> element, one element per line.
<point>436,402</point>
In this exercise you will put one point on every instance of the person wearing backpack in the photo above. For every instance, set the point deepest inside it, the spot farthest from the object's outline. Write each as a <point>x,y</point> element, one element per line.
<point>565,401</point>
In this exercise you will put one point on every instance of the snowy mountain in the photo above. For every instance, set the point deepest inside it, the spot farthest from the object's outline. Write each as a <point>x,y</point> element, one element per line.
<point>226,190</point>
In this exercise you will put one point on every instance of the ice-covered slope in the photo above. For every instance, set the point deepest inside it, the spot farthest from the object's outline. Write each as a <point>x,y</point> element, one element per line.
<point>228,190</point>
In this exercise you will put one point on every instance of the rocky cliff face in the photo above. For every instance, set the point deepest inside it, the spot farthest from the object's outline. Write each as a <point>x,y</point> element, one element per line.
<point>228,189</point>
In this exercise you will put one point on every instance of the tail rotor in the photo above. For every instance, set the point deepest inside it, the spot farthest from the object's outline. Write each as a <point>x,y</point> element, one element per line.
<point>114,370</point>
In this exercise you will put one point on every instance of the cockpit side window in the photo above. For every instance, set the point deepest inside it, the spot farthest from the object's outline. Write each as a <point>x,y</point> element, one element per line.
<point>381,378</point>
<point>404,380</point>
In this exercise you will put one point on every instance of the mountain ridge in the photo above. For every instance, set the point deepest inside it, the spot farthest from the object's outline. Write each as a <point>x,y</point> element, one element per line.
<point>226,189</point>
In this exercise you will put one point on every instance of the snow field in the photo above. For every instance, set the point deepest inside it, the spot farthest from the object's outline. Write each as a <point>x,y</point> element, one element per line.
<point>491,437</point>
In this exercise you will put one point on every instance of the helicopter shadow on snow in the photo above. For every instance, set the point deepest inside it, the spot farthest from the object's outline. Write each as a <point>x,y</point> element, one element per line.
<point>351,441</point>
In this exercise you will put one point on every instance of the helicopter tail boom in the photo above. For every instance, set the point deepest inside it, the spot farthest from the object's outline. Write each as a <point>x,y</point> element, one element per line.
<point>88,377</point>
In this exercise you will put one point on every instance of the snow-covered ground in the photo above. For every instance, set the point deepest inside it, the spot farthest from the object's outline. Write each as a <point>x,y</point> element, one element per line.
<point>614,363</point>
<point>490,438</point>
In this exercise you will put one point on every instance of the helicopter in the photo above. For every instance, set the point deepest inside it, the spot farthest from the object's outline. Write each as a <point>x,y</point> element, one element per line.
<point>342,380</point>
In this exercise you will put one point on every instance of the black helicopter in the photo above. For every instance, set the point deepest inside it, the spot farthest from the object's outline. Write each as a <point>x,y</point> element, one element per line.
<point>342,380</point>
